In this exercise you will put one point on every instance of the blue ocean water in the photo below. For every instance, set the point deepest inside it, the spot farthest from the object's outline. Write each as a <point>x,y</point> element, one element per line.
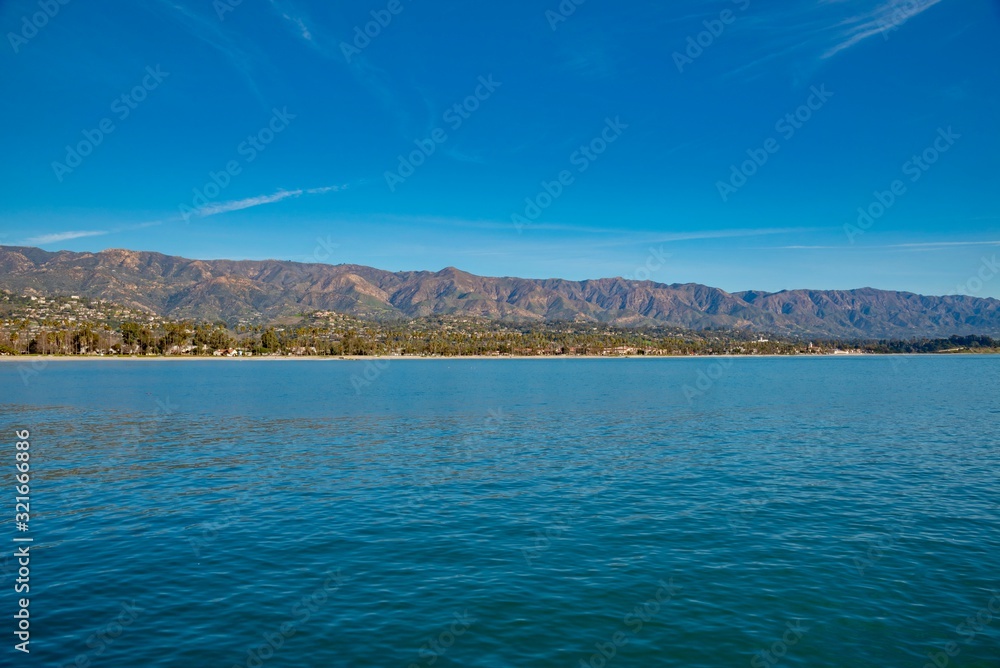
<point>673,512</point>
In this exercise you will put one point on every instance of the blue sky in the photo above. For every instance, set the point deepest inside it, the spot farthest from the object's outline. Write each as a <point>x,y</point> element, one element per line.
<point>730,142</point>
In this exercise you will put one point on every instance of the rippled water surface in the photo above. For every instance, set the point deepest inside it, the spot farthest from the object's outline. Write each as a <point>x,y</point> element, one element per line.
<point>749,512</point>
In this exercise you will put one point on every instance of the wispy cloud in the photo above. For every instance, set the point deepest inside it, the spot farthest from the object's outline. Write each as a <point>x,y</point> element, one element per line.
<point>209,30</point>
<point>63,236</point>
<point>879,21</point>
<point>303,29</point>
<point>946,243</point>
<point>249,202</point>
<point>139,226</point>
<point>802,247</point>
<point>623,238</point>
<point>725,234</point>
<point>377,81</point>
<point>705,235</point>
<point>483,224</point>
<point>922,246</point>
<point>803,34</point>
<point>297,19</point>
<point>301,25</point>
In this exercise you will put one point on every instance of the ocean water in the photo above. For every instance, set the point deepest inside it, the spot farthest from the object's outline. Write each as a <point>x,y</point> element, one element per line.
<point>695,512</point>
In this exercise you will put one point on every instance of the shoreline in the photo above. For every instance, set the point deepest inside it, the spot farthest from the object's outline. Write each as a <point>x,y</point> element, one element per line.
<point>391,358</point>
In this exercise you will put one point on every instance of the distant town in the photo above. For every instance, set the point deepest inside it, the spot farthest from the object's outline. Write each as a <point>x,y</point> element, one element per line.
<point>76,325</point>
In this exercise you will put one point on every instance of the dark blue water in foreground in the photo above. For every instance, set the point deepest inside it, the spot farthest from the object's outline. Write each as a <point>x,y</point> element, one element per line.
<point>828,512</point>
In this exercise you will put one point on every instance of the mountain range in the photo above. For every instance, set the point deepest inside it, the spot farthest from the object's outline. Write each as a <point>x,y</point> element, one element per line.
<point>269,290</point>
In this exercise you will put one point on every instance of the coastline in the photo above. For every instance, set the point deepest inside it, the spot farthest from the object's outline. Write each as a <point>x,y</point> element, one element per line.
<point>393,358</point>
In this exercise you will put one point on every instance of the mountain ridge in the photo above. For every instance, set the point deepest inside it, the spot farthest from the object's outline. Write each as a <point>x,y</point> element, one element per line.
<point>266,290</point>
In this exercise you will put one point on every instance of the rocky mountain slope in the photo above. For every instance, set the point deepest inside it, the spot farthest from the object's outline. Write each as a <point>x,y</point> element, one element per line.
<point>230,290</point>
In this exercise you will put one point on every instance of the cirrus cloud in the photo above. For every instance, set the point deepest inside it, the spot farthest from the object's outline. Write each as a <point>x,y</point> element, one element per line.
<point>215,209</point>
<point>63,236</point>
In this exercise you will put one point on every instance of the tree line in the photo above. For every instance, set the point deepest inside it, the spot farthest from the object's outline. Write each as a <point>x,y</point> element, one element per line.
<point>428,336</point>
